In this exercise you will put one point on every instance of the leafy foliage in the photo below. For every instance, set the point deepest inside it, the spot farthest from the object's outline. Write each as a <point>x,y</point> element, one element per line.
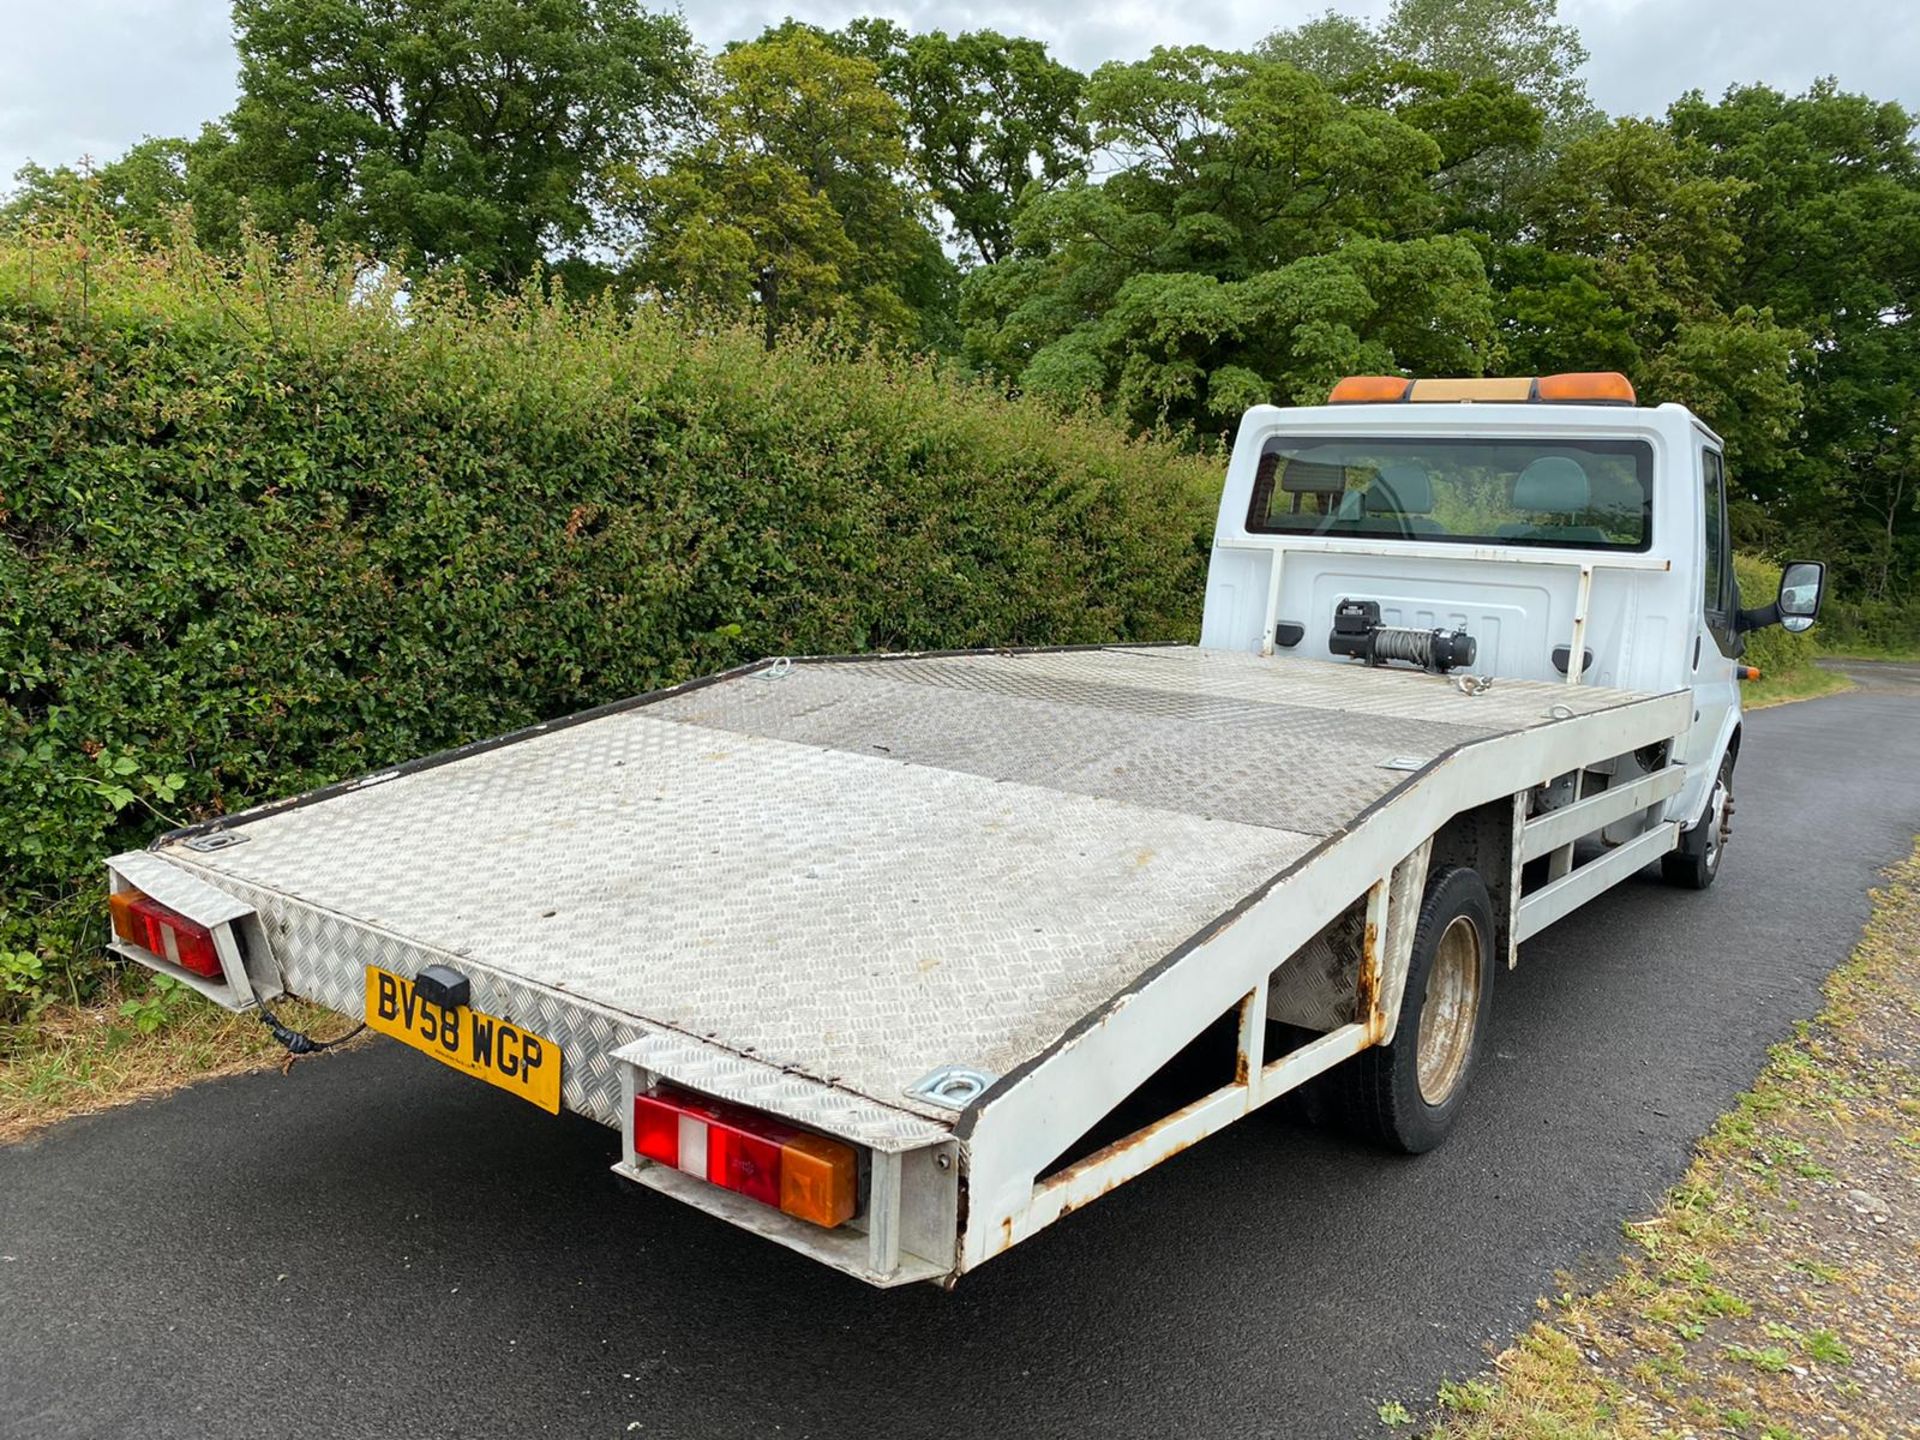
<point>1828,226</point>
<point>988,115</point>
<point>259,533</point>
<point>790,206</point>
<point>476,133</point>
<point>149,1011</point>
<point>1631,249</point>
<point>1249,245</point>
<point>142,191</point>
<point>1514,45</point>
<point>1521,44</point>
<point>1513,73</point>
<point>1168,240</point>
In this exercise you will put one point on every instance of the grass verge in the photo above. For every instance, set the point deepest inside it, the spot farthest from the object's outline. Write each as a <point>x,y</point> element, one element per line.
<point>1803,683</point>
<point>1901,654</point>
<point>1776,1292</point>
<point>150,1035</point>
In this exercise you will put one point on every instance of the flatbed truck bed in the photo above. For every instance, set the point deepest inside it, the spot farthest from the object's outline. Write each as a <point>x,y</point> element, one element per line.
<point>953,909</point>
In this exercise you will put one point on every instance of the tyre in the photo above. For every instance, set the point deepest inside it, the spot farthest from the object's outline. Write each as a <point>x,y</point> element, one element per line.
<point>1405,1095</point>
<point>1694,864</point>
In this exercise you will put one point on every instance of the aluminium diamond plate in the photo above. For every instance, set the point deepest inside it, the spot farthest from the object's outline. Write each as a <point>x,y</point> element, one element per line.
<point>856,872</point>
<point>852,918</point>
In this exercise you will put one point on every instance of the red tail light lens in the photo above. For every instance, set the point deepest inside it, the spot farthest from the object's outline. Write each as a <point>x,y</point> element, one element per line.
<point>743,1162</point>
<point>799,1173</point>
<point>656,1130</point>
<point>153,927</point>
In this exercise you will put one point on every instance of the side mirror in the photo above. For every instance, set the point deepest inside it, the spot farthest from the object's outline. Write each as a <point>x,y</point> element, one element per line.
<point>1801,585</point>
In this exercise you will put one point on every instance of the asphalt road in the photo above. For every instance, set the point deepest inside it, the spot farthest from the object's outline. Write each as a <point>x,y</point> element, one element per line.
<point>1899,675</point>
<point>375,1246</point>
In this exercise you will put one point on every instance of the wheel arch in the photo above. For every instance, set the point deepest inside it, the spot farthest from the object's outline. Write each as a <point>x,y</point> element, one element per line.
<point>1482,839</point>
<point>1690,803</point>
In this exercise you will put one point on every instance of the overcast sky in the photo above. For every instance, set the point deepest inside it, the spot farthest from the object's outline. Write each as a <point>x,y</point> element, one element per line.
<point>90,77</point>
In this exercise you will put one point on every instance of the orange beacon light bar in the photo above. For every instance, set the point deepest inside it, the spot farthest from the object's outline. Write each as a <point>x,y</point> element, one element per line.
<point>1591,387</point>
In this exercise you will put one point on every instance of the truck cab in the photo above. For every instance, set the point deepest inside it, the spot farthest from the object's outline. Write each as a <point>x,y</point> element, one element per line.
<point>1547,519</point>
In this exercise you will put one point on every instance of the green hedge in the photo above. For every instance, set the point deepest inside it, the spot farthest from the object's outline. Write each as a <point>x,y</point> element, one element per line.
<point>1870,627</point>
<point>259,531</point>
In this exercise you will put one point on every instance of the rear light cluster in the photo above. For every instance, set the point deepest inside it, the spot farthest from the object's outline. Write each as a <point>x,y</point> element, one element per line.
<point>799,1173</point>
<point>147,923</point>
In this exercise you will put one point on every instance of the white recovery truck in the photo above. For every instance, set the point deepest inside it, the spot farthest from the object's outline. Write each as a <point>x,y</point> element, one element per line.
<point>896,960</point>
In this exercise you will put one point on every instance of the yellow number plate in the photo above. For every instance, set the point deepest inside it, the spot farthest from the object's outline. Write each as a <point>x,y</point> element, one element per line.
<point>495,1050</point>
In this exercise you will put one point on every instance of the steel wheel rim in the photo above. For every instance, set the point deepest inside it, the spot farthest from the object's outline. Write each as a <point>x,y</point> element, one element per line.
<point>1716,822</point>
<point>1448,1013</point>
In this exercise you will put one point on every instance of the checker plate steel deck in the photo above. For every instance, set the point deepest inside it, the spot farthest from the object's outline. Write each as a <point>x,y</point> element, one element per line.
<point>852,871</point>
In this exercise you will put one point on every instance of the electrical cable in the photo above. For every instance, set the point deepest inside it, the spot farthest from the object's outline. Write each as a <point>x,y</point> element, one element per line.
<point>299,1044</point>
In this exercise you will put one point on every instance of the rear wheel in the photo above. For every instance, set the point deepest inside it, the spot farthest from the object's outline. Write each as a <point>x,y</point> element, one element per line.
<point>1695,863</point>
<point>1405,1095</point>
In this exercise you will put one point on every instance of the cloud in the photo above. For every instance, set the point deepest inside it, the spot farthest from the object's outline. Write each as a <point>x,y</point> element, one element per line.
<point>1082,35</point>
<point>91,77</point>
<point>1647,53</point>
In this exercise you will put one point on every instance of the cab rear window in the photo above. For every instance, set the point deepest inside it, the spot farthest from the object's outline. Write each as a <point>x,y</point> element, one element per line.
<point>1588,494</point>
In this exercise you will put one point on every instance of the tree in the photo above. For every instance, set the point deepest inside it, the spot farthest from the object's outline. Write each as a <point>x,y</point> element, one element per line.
<point>1513,45</point>
<point>143,192</point>
<point>1245,163</point>
<point>1256,238</point>
<point>472,133</point>
<point>1491,80</point>
<point>1468,119</point>
<point>1331,46</point>
<point>789,202</point>
<point>1736,371</point>
<point>1828,214</point>
<point>1555,314</point>
<point>1518,43</point>
<point>1631,246</point>
<point>987,115</point>
<point>1659,230</point>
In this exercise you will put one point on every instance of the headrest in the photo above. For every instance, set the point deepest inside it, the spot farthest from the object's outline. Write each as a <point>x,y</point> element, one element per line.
<point>1401,489</point>
<point>1311,477</point>
<point>1552,485</point>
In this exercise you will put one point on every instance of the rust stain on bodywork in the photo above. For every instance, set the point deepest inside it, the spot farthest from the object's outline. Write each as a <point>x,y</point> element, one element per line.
<point>1111,1153</point>
<point>1249,1022</point>
<point>1126,1145</point>
<point>1367,990</point>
